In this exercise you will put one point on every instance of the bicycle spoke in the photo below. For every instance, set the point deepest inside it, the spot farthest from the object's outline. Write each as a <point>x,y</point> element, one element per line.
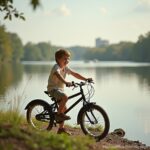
<point>39,117</point>
<point>94,122</point>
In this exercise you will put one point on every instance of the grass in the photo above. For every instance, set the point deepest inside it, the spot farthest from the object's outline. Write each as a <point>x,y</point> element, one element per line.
<point>16,134</point>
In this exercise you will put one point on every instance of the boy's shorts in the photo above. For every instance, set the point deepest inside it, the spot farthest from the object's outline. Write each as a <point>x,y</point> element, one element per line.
<point>57,93</point>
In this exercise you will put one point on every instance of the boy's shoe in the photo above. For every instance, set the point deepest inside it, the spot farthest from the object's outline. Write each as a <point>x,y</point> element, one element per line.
<point>61,117</point>
<point>63,131</point>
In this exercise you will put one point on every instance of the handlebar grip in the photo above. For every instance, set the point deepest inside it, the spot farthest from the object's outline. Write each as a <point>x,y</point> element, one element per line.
<point>90,80</point>
<point>74,84</point>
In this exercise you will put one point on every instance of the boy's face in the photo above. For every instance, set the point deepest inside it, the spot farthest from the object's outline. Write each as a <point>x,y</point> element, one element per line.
<point>63,61</point>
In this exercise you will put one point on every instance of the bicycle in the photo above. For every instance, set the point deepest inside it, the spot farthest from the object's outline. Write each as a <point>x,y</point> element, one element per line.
<point>92,118</point>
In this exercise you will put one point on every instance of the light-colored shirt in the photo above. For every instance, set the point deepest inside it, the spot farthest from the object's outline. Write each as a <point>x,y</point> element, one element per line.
<point>53,81</point>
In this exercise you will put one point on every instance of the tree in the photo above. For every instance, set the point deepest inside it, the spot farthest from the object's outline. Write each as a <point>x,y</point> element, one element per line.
<point>7,7</point>
<point>17,47</point>
<point>32,52</point>
<point>45,50</point>
<point>141,50</point>
<point>5,45</point>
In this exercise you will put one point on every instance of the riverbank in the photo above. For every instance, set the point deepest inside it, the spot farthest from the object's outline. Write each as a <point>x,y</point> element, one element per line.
<point>16,134</point>
<point>113,141</point>
<point>25,138</point>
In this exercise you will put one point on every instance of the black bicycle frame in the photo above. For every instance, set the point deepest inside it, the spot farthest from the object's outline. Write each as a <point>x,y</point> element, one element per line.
<point>77,101</point>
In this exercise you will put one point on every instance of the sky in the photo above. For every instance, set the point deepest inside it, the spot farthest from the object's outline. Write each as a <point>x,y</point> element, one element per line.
<point>79,22</point>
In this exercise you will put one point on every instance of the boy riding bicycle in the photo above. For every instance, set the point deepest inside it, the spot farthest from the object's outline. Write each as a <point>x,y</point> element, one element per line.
<point>56,84</point>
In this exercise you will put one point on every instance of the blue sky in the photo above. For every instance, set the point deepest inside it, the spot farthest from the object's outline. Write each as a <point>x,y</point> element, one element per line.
<point>79,22</point>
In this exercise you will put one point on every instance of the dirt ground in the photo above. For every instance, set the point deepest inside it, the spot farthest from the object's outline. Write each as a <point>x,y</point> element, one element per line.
<point>114,140</point>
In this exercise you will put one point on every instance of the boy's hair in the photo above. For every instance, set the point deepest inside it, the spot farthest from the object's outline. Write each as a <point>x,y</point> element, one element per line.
<point>60,53</point>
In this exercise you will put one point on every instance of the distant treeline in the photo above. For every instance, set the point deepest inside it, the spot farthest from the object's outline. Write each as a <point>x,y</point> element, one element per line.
<point>12,49</point>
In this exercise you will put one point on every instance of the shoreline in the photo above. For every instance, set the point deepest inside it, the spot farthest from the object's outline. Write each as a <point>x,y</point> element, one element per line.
<point>114,140</point>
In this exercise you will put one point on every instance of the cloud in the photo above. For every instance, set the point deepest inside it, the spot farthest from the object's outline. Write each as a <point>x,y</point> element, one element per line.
<point>144,2</point>
<point>63,10</point>
<point>103,11</point>
<point>143,6</point>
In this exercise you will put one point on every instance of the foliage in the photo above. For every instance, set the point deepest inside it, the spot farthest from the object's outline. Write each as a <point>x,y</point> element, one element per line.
<point>141,50</point>
<point>5,46</point>
<point>17,135</point>
<point>41,51</point>
<point>35,3</point>
<point>12,117</point>
<point>120,51</point>
<point>17,47</point>
<point>12,49</point>
<point>7,7</point>
<point>32,52</point>
<point>77,52</point>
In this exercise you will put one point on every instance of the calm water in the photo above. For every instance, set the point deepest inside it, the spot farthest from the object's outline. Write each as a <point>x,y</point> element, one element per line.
<point>121,88</point>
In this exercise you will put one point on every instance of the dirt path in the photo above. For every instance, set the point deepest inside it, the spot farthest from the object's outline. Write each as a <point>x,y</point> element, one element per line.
<point>113,140</point>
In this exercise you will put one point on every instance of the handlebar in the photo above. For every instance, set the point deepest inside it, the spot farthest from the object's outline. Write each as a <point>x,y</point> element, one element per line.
<point>75,84</point>
<point>89,91</point>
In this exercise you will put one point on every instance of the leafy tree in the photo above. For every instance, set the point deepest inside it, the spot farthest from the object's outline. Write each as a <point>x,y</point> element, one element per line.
<point>5,45</point>
<point>78,52</point>
<point>32,52</point>
<point>40,51</point>
<point>120,51</point>
<point>17,47</point>
<point>141,50</point>
<point>7,7</point>
<point>45,50</point>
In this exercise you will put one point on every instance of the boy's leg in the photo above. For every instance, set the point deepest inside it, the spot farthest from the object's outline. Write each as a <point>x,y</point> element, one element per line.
<point>62,104</point>
<point>61,125</point>
<point>61,128</point>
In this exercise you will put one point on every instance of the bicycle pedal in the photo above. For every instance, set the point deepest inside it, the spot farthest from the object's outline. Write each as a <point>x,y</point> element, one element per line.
<point>59,121</point>
<point>55,124</point>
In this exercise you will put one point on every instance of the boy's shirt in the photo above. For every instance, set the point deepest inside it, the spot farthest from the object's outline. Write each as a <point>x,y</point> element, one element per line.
<point>53,81</point>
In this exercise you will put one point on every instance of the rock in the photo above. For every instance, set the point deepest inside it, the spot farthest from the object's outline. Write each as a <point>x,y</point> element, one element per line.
<point>120,132</point>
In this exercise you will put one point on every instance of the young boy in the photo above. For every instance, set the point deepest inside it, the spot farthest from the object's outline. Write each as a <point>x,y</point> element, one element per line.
<point>56,84</point>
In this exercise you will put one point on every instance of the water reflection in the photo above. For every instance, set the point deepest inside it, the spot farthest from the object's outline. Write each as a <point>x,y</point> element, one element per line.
<point>122,90</point>
<point>141,73</point>
<point>37,69</point>
<point>144,119</point>
<point>10,75</point>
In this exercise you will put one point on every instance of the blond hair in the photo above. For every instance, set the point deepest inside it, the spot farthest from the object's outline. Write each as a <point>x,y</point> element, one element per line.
<point>60,53</point>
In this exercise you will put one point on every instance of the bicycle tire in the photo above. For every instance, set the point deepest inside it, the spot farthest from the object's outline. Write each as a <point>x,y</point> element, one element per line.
<point>89,121</point>
<point>36,109</point>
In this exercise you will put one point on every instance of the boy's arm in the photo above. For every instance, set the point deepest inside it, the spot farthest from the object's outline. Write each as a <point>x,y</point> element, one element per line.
<point>61,78</point>
<point>78,76</point>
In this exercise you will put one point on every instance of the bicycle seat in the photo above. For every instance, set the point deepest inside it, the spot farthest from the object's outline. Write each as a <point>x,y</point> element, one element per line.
<point>46,92</point>
<point>52,98</point>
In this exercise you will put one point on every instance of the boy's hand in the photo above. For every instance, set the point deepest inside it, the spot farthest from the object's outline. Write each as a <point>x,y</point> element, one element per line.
<point>89,79</point>
<point>68,84</point>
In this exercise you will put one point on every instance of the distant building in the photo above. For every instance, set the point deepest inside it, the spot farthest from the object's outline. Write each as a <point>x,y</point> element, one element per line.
<point>100,43</point>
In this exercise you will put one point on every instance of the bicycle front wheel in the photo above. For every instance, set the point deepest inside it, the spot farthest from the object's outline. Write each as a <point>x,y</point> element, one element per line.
<point>39,116</point>
<point>94,122</point>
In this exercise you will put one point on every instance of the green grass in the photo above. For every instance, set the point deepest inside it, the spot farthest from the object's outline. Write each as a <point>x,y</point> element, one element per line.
<point>15,133</point>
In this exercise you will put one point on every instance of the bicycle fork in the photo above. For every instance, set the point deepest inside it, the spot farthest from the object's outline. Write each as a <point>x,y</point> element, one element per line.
<point>94,121</point>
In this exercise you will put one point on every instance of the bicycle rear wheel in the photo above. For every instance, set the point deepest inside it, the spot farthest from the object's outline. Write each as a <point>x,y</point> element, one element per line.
<point>39,116</point>
<point>94,122</point>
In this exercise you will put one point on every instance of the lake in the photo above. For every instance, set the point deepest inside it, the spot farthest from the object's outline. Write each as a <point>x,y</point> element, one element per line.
<point>121,88</point>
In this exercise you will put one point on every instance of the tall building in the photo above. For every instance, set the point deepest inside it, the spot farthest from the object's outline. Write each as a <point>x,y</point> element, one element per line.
<point>100,43</point>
